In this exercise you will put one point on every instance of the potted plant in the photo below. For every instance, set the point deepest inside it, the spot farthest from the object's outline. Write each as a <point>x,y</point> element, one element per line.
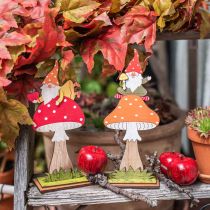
<point>6,175</point>
<point>198,129</point>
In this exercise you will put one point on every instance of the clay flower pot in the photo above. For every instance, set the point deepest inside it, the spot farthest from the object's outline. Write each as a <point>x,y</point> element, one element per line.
<point>201,147</point>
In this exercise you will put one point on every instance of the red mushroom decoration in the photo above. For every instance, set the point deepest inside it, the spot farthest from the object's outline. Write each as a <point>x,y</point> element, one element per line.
<point>57,113</point>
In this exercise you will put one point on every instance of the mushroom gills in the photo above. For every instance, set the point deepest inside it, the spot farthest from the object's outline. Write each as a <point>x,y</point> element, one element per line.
<point>132,132</point>
<point>60,134</point>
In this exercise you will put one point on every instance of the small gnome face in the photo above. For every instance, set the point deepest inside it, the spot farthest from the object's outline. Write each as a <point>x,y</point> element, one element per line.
<point>49,92</point>
<point>134,80</point>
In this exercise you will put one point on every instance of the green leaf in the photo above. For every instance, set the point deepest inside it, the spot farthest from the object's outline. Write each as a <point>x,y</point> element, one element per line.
<point>12,113</point>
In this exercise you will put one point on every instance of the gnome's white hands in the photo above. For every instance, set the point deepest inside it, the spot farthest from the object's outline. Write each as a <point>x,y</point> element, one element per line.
<point>149,78</point>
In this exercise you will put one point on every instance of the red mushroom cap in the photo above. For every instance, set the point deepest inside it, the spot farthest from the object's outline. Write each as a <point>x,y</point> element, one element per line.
<point>68,113</point>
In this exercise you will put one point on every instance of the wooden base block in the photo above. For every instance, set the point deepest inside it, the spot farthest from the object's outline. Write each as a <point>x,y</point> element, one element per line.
<point>138,185</point>
<point>44,189</point>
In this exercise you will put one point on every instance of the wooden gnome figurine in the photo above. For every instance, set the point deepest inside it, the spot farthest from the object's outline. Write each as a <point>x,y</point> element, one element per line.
<point>131,81</point>
<point>57,113</point>
<point>132,114</point>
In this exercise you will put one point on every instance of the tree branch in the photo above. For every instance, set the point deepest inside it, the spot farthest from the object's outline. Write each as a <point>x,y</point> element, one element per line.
<point>116,159</point>
<point>101,179</point>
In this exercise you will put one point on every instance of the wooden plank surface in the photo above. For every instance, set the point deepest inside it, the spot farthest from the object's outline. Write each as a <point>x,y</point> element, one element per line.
<point>188,35</point>
<point>23,165</point>
<point>96,195</point>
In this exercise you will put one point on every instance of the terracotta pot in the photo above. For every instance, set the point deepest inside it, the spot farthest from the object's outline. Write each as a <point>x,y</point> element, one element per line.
<point>162,138</point>
<point>201,147</point>
<point>7,177</point>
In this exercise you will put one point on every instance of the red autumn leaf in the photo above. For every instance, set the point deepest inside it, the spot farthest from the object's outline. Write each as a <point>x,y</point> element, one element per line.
<point>8,9</point>
<point>6,67</point>
<point>38,11</point>
<point>46,42</point>
<point>27,4</point>
<point>110,44</point>
<point>14,39</point>
<point>20,87</point>
<point>4,82</point>
<point>67,57</point>
<point>138,26</point>
<point>4,53</point>
<point>107,69</point>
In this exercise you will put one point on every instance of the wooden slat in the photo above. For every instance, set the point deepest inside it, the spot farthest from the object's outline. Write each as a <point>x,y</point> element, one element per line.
<point>96,195</point>
<point>189,35</point>
<point>23,165</point>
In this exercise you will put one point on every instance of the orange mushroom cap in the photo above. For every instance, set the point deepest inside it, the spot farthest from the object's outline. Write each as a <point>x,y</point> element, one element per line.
<point>132,108</point>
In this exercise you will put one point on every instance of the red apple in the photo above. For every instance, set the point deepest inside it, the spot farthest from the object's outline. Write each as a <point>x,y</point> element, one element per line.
<point>92,159</point>
<point>165,160</point>
<point>183,171</point>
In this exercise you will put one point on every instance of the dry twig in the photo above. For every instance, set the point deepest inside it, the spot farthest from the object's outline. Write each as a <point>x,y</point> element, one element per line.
<point>116,159</point>
<point>101,179</point>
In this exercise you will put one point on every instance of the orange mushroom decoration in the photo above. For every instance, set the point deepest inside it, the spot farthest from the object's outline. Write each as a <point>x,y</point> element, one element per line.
<point>131,115</point>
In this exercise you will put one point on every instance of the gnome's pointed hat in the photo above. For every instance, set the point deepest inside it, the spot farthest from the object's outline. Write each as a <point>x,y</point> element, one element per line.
<point>134,64</point>
<point>52,77</point>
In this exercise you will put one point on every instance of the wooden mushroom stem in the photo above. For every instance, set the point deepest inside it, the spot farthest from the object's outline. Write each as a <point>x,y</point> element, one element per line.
<point>60,158</point>
<point>131,157</point>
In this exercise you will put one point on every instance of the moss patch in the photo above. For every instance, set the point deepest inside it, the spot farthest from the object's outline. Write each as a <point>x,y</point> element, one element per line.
<point>131,176</point>
<point>62,178</point>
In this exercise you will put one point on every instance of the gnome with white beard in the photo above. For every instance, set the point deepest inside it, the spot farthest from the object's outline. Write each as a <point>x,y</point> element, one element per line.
<point>131,81</point>
<point>132,114</point>
<point>57,113</point>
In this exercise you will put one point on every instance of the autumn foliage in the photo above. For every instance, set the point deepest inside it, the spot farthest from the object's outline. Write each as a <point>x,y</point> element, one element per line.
<point>36,34</point>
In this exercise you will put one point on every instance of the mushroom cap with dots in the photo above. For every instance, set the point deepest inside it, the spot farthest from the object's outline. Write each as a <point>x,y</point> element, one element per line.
<point>131,108</point>
<point>68,114</point>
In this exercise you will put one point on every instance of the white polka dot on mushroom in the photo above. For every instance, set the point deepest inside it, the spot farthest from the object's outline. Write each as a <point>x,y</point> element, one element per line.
<point>65,100</point>
<point>122,118</point>
<point>136,115</point>
<point>39,111</point>
<point>126,99</point>
<point>48,105</point>
<point>46,118</point>
<point>81,119</point>
<point>54,111</point>
<point>140,106</point>
<point>136,99</point>
<point>115,116</point>
<point>130,104</point>
<point>119,107</point>
<point>74,106</point>
<point>151,113</point>
<point>65,117</point>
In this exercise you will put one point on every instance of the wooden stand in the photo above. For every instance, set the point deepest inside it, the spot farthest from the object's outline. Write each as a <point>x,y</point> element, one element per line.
<point>60,158</point>
<point>131,157</point>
